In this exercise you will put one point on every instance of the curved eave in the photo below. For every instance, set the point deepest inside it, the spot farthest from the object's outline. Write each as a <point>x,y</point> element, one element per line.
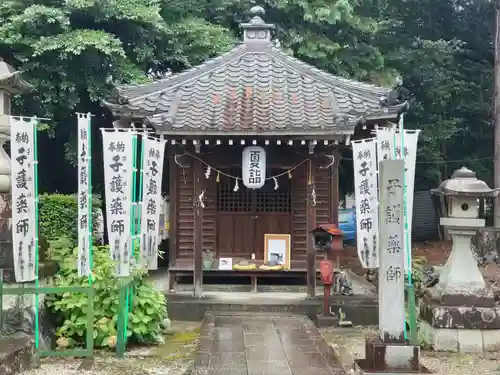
<point>126,110</point>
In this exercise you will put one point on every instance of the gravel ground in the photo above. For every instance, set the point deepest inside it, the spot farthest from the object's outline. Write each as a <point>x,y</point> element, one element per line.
<point>111,366</point>
<point>173,357</point>
<point>349,343</point>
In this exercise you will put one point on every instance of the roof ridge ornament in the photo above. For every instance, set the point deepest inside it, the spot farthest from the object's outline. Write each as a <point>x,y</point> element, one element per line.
<point>257,30</point>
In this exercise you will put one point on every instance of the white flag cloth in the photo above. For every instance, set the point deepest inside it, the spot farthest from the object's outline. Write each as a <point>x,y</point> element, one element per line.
<point>84,196</point>
<point>24,233</point>
<point>365,191</point>
<point>152,169</point>
<point>118,177</point>
<point>386,139</point>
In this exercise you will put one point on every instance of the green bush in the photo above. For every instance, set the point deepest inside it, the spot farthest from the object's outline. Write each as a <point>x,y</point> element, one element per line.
<point>59,213</point>
<point>147,312</point>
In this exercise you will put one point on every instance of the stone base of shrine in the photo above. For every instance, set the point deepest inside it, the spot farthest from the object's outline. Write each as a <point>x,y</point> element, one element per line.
<point>468,329</point>
<point>17,354</point>
<point>388,358</point>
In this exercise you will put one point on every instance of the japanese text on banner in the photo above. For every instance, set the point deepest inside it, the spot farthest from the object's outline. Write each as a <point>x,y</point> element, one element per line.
<point>387,151</point>
<point>84,196</point>
<point>118,177</point>
<point>365,190</point>
<point>24,232</point>
<point>152,169</point>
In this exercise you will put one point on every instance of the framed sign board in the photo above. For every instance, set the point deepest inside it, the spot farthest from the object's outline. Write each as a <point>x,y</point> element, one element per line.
<point>277,248</point>
<point>226,264</point>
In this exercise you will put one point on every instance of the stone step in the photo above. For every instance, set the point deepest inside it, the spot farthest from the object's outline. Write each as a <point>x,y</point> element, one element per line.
<point>360,310</point>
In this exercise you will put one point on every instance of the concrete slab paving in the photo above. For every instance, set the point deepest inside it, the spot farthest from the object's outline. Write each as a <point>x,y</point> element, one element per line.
<point>263,344</point>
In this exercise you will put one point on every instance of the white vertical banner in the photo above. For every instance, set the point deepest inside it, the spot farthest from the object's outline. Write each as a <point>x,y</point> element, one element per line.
<point>118,156</point>
<point>386,138</point>
<point>84,196</point>
<point>24,230</point>
<point>365,192</point>
<point>152,173</point>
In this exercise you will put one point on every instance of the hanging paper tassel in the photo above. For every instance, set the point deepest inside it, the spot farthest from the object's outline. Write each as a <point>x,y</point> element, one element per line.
<point>217,179</point>
<point>207,173</point>
<point>289,174</point>
<point>313,196</point>
<point>201,198</point>
<point>276,185</point>
<point>236,186</point>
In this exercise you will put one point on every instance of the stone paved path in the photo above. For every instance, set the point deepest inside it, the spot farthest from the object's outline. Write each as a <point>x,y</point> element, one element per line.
<point>263,344</point>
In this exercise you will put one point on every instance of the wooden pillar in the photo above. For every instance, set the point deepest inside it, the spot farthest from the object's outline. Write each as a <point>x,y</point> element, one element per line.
<point>311,224</point>
<point>335,187</point>
<point>173,188</point>
<point>197,231</point>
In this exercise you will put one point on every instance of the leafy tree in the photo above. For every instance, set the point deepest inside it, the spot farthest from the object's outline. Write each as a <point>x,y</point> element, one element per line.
<point>74,51</point>
<point>442,50</point>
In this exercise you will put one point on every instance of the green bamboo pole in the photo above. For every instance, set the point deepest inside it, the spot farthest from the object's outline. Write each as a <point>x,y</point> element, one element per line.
<point>139,198</point>
<point>35,192</point>
<point>89,172</point>
<point>132,226</point>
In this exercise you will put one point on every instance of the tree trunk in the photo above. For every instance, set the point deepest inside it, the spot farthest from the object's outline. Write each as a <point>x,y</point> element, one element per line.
<point>496,114</point>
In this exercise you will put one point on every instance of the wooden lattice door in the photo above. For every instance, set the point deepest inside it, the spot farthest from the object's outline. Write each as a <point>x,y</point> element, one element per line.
<point>244,216</point>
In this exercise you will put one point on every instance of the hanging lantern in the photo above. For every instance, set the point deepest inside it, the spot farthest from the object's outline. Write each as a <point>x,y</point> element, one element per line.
<point>254,167</point>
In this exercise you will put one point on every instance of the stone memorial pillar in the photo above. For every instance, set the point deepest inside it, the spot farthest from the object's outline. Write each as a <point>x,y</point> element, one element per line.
<point>11,83</point>
<point>459,313</point>
<point>390,353</point>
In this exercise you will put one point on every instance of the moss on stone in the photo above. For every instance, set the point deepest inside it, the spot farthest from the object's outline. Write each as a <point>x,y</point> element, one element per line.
<point>178,345</point>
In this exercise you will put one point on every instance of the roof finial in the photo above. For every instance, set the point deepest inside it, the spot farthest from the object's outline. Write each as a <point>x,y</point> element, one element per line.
<point>257,30</point>
<point>257,10</point>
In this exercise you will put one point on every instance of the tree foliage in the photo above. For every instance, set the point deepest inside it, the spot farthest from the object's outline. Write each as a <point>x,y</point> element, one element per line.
<point>75,50</point>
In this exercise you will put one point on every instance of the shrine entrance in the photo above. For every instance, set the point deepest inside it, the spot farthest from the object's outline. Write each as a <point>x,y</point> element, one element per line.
<point>245,216</point>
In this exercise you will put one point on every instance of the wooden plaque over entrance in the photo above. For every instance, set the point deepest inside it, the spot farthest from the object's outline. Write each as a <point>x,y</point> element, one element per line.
<point>277,248</point>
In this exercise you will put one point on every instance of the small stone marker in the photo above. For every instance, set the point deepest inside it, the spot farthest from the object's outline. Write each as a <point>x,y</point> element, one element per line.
<point>391,253</point>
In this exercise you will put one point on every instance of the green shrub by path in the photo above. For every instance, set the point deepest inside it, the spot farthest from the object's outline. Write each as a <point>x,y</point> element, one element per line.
<point>147,313</point>
<point>58,214</point>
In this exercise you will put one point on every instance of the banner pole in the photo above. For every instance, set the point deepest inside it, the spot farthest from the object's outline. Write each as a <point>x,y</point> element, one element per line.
<point>90,220</point>
<point>35,192</point>
<point>139,197</point>
<point>128,298</point>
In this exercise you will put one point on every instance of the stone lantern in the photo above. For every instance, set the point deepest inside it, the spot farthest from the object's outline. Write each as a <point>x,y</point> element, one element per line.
<point>460,309</point>
<point>11,83</point>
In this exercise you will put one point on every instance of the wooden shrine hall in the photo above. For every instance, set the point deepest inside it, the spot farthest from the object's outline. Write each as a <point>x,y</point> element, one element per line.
<point>253,98</point>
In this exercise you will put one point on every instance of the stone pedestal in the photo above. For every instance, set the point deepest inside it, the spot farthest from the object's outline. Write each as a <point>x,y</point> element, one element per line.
<point>468,329</point>
<point>459,313</point>
<point>387,358</point>
<point>461,282</point>
<point>325,321</point>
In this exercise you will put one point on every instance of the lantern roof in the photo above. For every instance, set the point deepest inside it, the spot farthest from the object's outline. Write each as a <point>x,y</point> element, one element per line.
<point>255,89</point>
<point>463,182</point>
<point>11,80</point>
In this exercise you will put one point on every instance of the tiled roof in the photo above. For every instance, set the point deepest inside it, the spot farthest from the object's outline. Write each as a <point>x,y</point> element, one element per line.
<point>254,89</point>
